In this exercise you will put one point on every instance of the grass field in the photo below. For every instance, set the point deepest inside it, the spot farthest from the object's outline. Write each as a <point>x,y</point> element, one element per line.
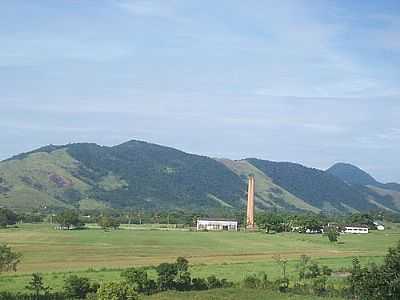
<point>101,255</point>
<point>231,294</point>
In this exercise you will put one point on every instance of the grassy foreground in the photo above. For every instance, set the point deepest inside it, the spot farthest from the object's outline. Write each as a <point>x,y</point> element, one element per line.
<point>231,294</point>
<point>101,255</point>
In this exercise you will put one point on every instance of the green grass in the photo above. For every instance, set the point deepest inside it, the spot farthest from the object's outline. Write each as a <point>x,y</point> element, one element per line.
<point>101,255</point>
<point>230,294</point>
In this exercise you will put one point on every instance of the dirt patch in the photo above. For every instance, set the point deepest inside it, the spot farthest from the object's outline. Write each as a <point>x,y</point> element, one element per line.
<point>60,181</point>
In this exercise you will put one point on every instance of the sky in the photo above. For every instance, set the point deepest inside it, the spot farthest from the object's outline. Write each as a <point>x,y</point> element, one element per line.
<point>313,82</point>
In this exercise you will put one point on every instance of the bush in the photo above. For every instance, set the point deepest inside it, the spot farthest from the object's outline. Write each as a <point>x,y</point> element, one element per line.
<point>332,234</point>
<point>251,282</point>
<point>282,284</point>
<point>199,284</point>
<point>77,287</point>
<point>116,291</point>
<point>319,285</point>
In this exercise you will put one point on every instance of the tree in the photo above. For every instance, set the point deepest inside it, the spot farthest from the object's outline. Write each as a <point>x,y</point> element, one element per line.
<point>166,276</point>
<point>116,291</point>
<point>78,287</point>
<point>183,278</point>
<point>271,222</point>
<point>36,285</point>
<point>8,259</point>
<point>332,234</point>
<point>377,282</point>
<point>107,222</point>
<point>68,218</point>
<point>302,266</point>
<point>7,217</point>
<point>138,279</point>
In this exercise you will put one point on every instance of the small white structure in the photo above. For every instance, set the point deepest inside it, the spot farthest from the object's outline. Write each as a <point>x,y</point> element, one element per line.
<point>356,229</point>
<point>216,225</point>
<point>379,225</point>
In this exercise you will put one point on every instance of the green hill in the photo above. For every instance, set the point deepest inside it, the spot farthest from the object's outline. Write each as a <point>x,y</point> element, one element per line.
<point>351,174</point>
<point>146,176</point>
<point>134,174</point>
<point>318,188</point>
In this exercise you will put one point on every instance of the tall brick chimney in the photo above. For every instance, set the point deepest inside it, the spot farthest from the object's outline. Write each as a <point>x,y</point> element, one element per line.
<point>250,203</point>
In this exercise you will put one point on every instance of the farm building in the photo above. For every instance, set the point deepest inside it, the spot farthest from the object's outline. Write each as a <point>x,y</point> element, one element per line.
<point>217,225</point>
<point>356,229</point>
<point>379,225</point>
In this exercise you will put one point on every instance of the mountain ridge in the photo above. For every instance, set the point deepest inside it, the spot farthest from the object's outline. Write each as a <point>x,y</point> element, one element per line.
<point>142,175</point>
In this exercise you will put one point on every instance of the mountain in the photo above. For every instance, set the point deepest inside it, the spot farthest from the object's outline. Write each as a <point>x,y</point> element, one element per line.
<point>351,174</point>
<point>141,175</point>
<point>133,174</point>
<point>384,195</point>
<point>268,195</point>
<point>318,188</point>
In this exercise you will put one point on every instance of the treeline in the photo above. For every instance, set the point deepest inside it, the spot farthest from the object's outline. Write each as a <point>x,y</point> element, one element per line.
<point>268,221</point>
<point>370,282</point>
<point>285,222</point>
<point>134,281</point>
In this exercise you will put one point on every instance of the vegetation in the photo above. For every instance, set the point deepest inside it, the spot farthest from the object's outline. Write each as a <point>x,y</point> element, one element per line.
<point>37,286</point>
<point>317,186</point>
<point>8,259</point>
<point>116,291</point>
<point>68,218</point>
<point>107,222</point>
<point>150,178</point>
<point>7,217</point>
<point>375,282</point>
<point>332,234</point>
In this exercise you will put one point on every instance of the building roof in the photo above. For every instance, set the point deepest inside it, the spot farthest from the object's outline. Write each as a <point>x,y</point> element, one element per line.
<point>357,225</point>
<point>216,219</point>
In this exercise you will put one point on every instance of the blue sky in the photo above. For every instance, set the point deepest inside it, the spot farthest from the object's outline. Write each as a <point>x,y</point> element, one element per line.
<point>313,82</point>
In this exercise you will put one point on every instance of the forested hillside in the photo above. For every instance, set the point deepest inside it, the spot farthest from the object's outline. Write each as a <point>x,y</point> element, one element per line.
<point>316,187</point>
<point>140,175</point>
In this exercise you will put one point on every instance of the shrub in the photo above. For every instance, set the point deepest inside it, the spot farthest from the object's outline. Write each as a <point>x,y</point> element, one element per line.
<point>251,282</point>
<point>332,234</point>
<point>199,284</point>
<point>78,287</point>
<point>319,285</point>
<point>116,291</point>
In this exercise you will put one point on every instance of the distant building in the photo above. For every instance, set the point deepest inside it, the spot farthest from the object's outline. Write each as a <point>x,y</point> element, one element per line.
<point>379,225</point>
<point>356,229</point>
<point>216,225</point>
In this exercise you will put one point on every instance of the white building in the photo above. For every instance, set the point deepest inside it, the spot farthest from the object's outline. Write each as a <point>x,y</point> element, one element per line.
<point>356,229</point>
<point>379,225</point>
<point>216,225</point>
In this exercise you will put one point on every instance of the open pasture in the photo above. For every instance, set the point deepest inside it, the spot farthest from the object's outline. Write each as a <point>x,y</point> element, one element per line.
<point>101,255</point>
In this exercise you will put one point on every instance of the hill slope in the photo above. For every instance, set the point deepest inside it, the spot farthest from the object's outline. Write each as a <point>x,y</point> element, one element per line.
<point>267,194</point>
<point>354,175</point>
<point>134,174</point>
<point>316,187</point>
<point>351,174</point>
<point>146,176</point>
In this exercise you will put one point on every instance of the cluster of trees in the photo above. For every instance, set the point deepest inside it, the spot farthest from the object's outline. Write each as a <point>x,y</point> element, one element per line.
<point>68,219</point>
<point>170,276</point>
<point>285,222</point>
<point>7,217</point>
<point>312,278</point>
<point>375,282</point>
<point>108,222</point>
<point>136,281</point>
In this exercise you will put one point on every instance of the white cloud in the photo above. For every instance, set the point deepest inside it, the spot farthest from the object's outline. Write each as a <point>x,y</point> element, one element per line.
<point>148,8</point>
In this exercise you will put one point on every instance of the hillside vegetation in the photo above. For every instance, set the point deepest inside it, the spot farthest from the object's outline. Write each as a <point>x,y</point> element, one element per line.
<point>144,176</point>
